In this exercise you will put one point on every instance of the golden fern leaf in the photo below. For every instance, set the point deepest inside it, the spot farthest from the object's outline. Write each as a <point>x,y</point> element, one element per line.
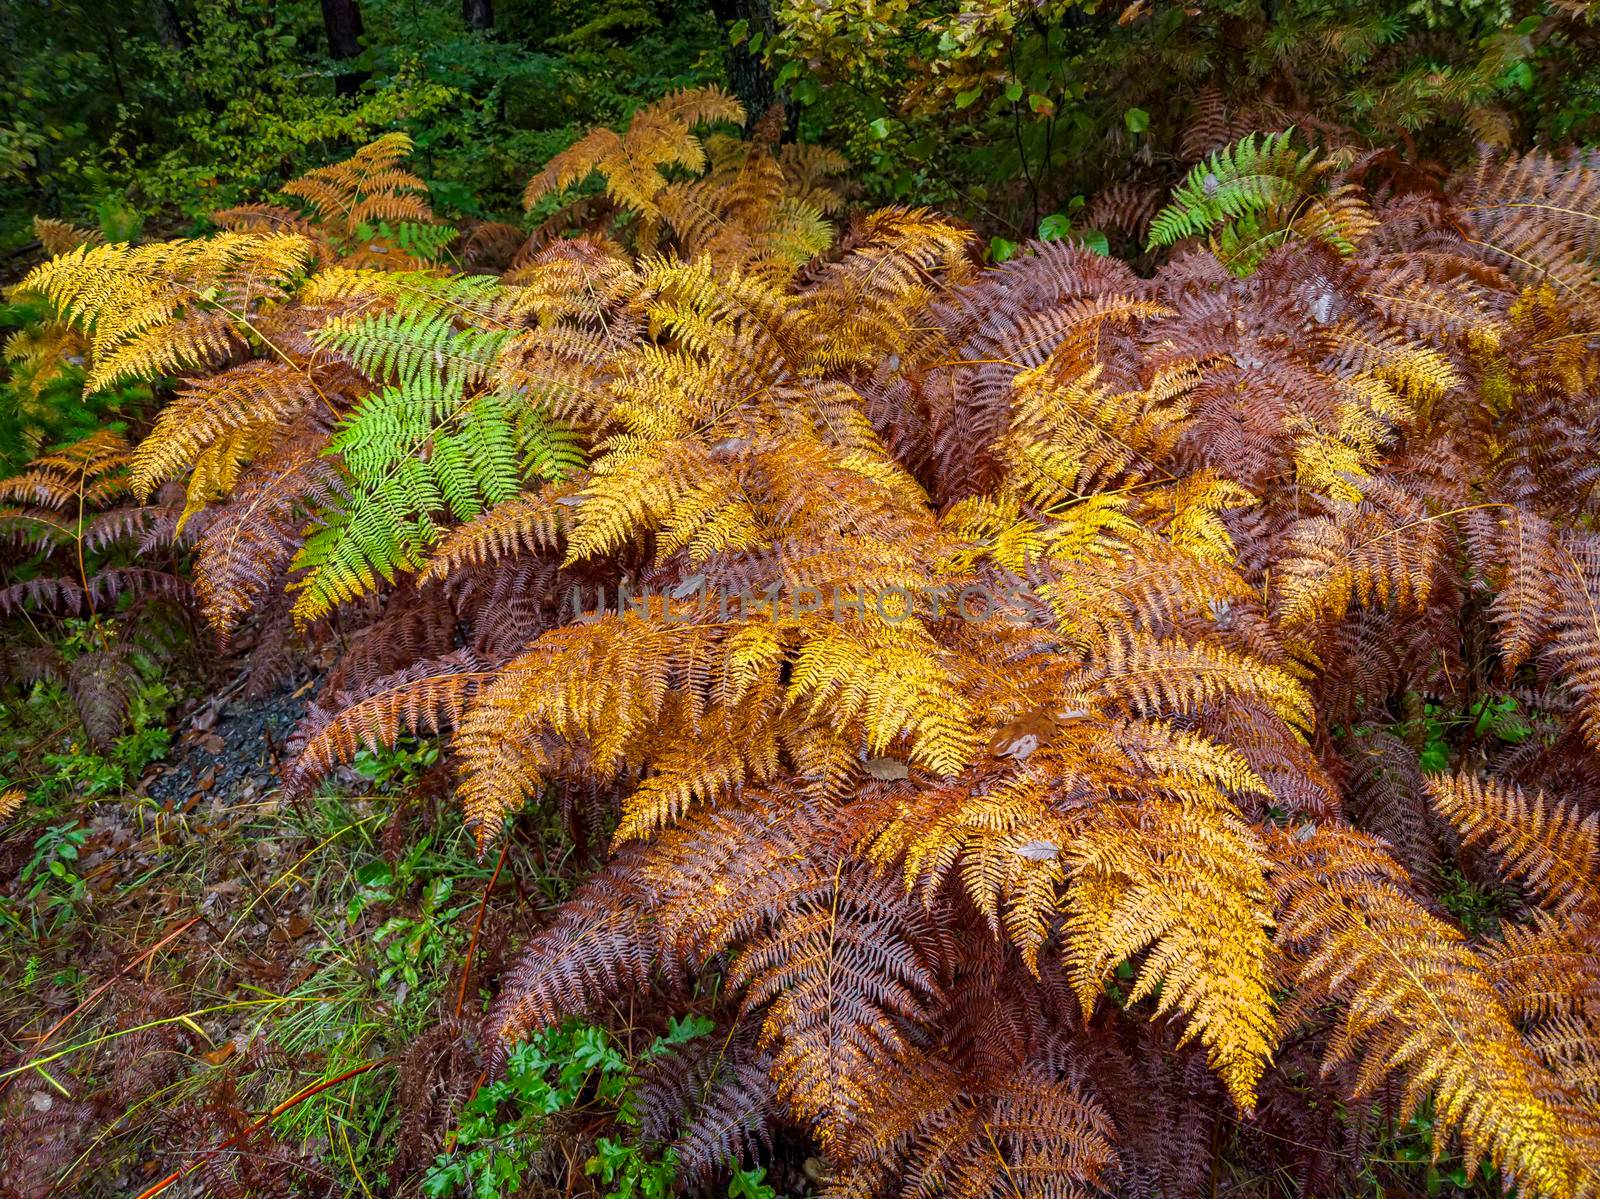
<point>1004,836</point>
<point>660,135</point>
<point>864,308</point>
<point>1383,549</point>
<point>1549,846</point>
<point>1416,1000</point>
<point>601,685</point>
<point>528,524</point>
<point>92,469</point>
<point>725,749</point>
<point>160,308</point>
<point>11,801</point>
<point>895,682</point>
<point>634,488</point>
<point>38,355</point>
<point>1188,882</point>
<point>367,187</point>
<point>253,395</point>
<point>1167,677</point>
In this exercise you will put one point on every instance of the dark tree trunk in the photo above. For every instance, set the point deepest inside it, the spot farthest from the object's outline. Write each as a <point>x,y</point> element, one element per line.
<point>749,79</point>
<point>342,18</point>
<point>478,14</point>
<point>164,16</point>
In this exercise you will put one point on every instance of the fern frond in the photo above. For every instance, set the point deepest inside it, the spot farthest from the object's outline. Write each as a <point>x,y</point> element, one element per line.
<point>254,395</point>
<point>427,697</point>
<point>155,309</point>
<point>1382,549</point>
<point>528,524</point>
<point>61,237</point>
<point>368,187</point>
<point>1550,847</point>
<point>659,136</point>
<point>1246,179</point>
<point>1416,1000</point>
<point>894,682</point>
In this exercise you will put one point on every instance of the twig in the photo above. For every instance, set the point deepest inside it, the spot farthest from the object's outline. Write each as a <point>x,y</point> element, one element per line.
<point>477,925</point>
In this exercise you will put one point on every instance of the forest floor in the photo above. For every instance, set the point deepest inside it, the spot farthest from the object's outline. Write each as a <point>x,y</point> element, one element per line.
<point>195,952</point>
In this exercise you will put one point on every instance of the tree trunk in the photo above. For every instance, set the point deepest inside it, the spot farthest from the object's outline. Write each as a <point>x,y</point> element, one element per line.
<point>749,79</point>
<point>478,14</point>
<point>169,29</point>
<point>342,19</point>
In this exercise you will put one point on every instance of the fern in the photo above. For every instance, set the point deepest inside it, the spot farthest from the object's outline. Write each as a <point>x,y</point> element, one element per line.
<point>984,675</point>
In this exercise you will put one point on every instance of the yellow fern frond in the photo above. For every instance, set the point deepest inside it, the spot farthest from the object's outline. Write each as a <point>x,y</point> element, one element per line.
<point>1551,847</point>
<point>1416,1000</point>
<point>158,308</point>
<point>891,679</point>
<point>254,394</point>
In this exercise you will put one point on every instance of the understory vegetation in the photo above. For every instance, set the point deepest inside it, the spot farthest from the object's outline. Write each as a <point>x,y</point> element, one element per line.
<point>857,600</point>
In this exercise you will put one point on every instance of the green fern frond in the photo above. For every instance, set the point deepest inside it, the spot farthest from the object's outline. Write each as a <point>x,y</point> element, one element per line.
<point>1245,180</point>
<point>415,349</point>
<point>414,456</point>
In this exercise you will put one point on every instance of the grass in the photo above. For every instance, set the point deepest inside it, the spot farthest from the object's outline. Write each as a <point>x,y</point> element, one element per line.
<point>261,955</point>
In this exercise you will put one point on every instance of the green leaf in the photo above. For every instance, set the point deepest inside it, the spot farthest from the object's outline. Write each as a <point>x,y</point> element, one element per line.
<point>1136,119</point>
<point>1055,226</point>
<point>967,98</point>
<point>1001,248</point>
<point>879,128</point>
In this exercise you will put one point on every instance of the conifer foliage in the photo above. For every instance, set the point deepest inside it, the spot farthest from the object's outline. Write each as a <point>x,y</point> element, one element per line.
<point>980,671</point>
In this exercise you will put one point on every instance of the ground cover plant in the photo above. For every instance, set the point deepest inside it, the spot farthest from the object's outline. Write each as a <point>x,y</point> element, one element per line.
<point>845,716</point>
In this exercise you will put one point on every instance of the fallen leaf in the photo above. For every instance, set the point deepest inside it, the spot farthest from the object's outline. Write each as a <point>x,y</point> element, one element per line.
<point>885,769</point>
<point>220,1054</point>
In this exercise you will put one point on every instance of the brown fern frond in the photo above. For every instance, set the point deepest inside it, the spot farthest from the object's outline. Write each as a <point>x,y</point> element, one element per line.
<point>1026,1133</point>
<point>426,697</point>
<point>601,943</point>
<point>1383,549</point>
<point>60,237</point>
<point>1537,217</point>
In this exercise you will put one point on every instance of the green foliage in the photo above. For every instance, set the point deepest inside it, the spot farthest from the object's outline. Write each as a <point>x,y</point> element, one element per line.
<point>573,1067</point>
<point>398,767</point>
<point>1003,110</point>
<point>1443,729</point>
<point>412,453</point>
<point>1238,182</point>
<point>105,104</point>
<point>750,1184</point>
<point>42,402</point>
<point>55,854</point>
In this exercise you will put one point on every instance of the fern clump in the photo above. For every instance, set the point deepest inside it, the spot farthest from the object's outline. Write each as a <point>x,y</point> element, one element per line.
<point>993,679</point>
